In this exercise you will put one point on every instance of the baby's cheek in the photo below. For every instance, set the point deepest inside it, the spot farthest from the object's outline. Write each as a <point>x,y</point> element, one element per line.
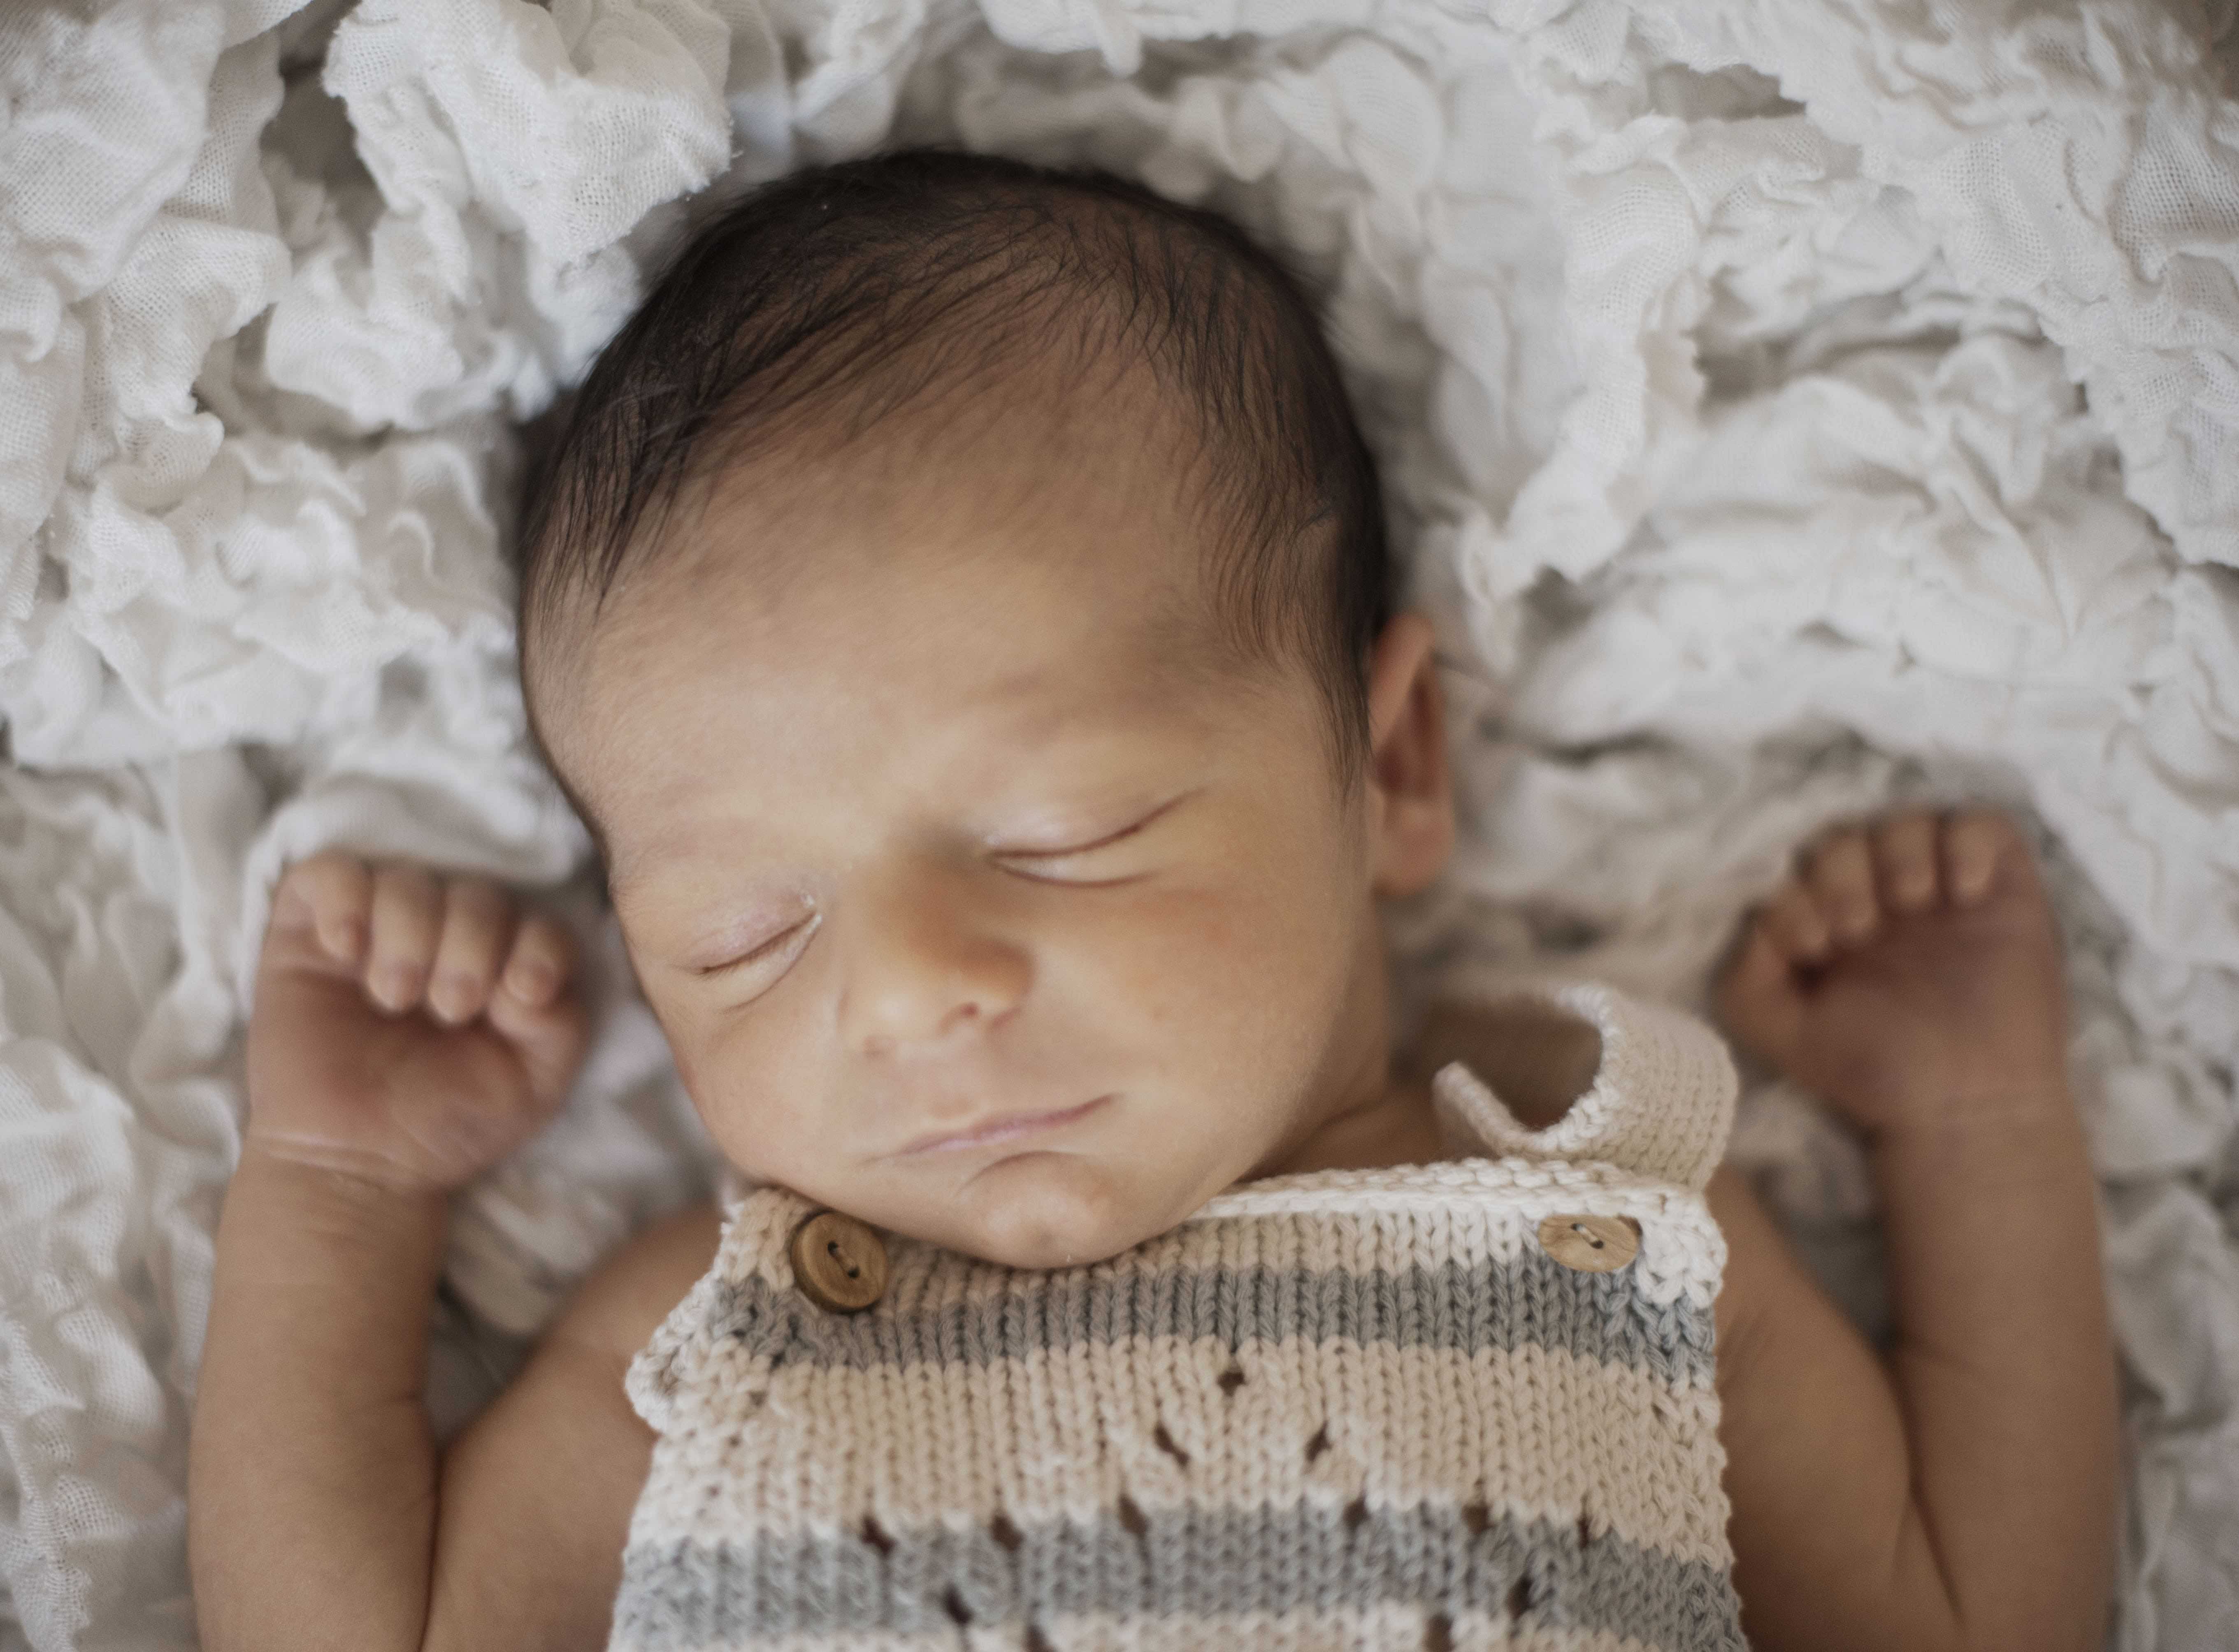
<point>754,1095</point>
<point>1228,1019</point>
<point>1190,955</point>
<point>1249,975</point>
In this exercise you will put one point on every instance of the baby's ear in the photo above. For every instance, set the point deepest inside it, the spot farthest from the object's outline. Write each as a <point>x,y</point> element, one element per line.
<point>1410,787</point>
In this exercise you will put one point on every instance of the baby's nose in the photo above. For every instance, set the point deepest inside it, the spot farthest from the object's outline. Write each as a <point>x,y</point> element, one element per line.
<point>925,965</point>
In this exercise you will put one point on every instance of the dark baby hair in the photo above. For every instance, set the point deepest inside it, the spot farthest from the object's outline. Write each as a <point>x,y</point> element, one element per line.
<point>834,297</point>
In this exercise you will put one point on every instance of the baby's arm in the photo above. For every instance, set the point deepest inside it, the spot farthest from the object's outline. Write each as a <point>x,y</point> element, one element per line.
<point>1960,1495</point>
<point>408,1033</point>
<point>537,1495</point>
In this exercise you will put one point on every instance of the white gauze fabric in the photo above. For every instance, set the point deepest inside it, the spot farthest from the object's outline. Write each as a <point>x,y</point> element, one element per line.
<point>1788,410</point>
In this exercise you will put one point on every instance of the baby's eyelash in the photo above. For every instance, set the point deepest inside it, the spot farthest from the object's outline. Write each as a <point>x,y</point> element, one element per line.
<point>759,952</point>
<point>1121,835</point>
<point>1080,848</point>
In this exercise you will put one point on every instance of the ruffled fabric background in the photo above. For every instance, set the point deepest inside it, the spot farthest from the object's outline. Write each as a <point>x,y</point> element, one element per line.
<point>1790,408</point>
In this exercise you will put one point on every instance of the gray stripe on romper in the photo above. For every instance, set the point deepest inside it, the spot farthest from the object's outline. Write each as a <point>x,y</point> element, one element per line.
<point>1193,1563</point>
<point>1527,1299</point>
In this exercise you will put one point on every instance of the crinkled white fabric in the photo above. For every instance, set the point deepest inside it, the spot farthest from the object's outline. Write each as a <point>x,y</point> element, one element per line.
<point>1790,408</point>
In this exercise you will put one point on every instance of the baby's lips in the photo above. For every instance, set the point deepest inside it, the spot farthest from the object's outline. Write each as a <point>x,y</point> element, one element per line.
<point>1000,1128</point>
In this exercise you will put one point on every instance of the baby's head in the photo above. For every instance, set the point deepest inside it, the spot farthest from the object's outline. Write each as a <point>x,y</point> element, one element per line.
<point>958,606</point>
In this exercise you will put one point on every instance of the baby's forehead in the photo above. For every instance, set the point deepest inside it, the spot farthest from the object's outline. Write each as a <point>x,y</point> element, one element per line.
<point>995,604</point>
<point>939,707</point>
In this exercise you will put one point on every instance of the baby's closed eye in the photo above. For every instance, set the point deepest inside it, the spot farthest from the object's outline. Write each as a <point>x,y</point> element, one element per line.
<point>1104,858</point>
<point>785,941</point>
<point>1086,863</point>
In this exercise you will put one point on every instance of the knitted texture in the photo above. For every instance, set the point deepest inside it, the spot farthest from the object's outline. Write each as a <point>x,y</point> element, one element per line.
<point>1649,1053</point>
<point>1346,1409</point>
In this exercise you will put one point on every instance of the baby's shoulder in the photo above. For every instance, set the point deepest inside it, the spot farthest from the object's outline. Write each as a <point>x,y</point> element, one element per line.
<point>625,1301</point>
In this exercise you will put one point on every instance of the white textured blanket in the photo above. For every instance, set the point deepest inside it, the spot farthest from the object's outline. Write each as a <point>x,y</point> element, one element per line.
<point>1791,406</point>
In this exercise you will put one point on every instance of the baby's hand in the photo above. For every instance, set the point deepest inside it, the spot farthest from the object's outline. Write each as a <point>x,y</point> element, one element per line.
<point>1909,970</point>
<point>410,1030</point>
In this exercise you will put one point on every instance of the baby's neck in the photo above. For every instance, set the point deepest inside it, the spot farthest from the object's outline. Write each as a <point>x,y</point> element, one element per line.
<point>1537,1058</point>
<point>1397,1126</point>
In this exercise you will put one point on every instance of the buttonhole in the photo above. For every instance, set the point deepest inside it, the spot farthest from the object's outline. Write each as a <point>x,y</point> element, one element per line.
<point>1164,1442</point>
<point>1132,1517</point>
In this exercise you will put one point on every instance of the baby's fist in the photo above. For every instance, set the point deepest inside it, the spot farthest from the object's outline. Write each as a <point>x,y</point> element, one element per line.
<point>411,1029</point>
<point>1909,969</point>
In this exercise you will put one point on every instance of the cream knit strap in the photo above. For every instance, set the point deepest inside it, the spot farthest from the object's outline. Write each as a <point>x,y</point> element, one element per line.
<point>1660,1106</point>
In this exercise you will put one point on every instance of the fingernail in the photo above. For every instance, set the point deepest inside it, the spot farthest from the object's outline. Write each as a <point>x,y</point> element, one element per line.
<point>533,982</point>
<point>395,986</point>
<point>449,997</point>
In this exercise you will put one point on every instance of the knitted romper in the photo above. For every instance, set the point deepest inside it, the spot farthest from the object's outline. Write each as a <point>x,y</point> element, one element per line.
<point>1452,1405</point>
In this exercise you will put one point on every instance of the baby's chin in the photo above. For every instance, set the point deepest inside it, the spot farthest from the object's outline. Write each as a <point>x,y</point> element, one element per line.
<point>1050,1210</point>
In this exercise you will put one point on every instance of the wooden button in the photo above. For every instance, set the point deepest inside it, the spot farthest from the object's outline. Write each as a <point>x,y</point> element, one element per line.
<point>1591,1243</point>
<point>838,1262</point>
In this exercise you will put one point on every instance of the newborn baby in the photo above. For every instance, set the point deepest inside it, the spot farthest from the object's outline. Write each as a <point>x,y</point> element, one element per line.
<point>959,608</point>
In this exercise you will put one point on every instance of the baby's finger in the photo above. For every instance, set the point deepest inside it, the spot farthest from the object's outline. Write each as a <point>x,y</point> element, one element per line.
<point>477,934</point>
<point>1842,879</point>
<point>1757,996</point>
<point>407,915</point>
<point>1973,846</point>
<point>534,1009</point>
<point>1904,861</point>
<point>329,896</point>
<point>542,959</point>
<point>1792,922</point>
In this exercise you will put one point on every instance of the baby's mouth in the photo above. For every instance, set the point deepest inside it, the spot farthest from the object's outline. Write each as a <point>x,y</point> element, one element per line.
<point>1003,1128</point>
